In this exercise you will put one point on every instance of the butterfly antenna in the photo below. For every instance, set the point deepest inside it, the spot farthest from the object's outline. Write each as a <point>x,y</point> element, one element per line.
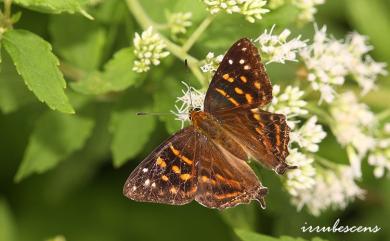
<point>154,113</point>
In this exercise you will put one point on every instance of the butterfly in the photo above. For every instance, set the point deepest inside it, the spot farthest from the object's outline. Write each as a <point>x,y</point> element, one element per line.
<point>206,161</point>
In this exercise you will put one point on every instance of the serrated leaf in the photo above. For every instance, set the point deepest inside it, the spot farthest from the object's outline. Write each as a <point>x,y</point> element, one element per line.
<point>53,6</point>
<point>130,134</point>
<point>54,138</point>
<point>117,75</point>
<point>13,92</point>
<point>81,44</point>
<point>38,66</point>
<point>7,225</point>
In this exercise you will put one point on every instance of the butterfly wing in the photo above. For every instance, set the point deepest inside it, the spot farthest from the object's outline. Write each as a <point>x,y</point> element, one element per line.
<point>263,135</point>
<point>240,80</point>
<point>225,180</point>
<point>168,174</point>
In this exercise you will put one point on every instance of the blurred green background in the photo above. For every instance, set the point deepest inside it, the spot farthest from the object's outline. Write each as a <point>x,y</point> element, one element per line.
<point>81,198</point>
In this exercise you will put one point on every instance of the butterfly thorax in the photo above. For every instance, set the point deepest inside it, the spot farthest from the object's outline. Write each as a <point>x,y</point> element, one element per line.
<point>210,127</point>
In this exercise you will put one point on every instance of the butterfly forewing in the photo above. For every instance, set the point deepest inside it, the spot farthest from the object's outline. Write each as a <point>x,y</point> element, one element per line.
<point>169,174</point>
<point>225,180</point>
<point>240,80</point>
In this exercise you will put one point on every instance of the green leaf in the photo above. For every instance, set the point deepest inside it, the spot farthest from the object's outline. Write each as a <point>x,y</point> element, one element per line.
<point>117,75</point>
<point>54,6</point>
<point>130,134</point>
<point>81,44</point>
<point>13,93</point>
<point>245,235</point>
<point>7,225</point>
<point>54,138</point>
<point>38,66</point>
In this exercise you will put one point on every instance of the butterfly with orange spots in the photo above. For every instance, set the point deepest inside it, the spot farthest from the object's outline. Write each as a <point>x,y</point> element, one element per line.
<point>206,161</point>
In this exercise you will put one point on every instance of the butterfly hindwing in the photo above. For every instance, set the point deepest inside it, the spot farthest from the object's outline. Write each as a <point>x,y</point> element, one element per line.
<point>168,174</point>
<point>225,180</point>
<point>263,135</point>
<point>240,80</point>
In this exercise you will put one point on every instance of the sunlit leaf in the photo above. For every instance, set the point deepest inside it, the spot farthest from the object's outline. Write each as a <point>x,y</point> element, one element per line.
<point>38,66</point>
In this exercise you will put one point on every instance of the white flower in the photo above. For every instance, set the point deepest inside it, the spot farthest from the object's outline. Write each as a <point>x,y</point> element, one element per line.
<point>148,49</point>
<point>329,61</point>
<point>380,156</point>
<point>251,9</point>
<point>353,122</point>
<point>179,22</point>
<point>277,48</point>
<point>302,178</point>
<point>332,189</point>
<point>211,63</point>
<point>307,9</point>
<point>288,103</point>
<point>191,98</point>
<point>309,135</point>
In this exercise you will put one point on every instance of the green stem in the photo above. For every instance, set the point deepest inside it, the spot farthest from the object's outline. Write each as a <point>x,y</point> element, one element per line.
<point>145,22</point>
<point>325,162</point>
<point>198,32</point>
<point>321,113</point>
<point>7,9</point>
<point>383,115</point>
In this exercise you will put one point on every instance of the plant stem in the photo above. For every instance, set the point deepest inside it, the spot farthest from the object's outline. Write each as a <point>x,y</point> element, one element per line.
<point>325,162</point>
<point>383,115</point>
<point>145,22</point>
<point>197,33</point>
<point>7,9</point>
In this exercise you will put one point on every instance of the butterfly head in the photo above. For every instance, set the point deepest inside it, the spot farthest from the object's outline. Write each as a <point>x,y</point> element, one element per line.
<point>194,112</point>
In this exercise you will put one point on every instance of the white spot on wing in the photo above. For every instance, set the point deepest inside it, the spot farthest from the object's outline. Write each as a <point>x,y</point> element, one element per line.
<point>153,184</point>
<point>230,61</point>
<point>242,61</point>
<point>147,182</point>
<point>145,170</point>
<point>247,67</point>
<point>134,188</point>
<point>243,49</point>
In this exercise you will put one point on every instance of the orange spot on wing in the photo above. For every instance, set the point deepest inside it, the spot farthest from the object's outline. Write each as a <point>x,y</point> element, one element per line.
<point>176,169</point>
<point>185,176</point>
<point>243,79</point>
<point>238,91</point>
<point>164,178</point>
<point>173,190</point>
<point>178,154</point>
<point>225,76</point>
<point>226,195</point>
<point>204,179</point>
<point>257,85</point>
<point>161,162</point>
<point>249,98</point>
<point>257,116</point>
<point>231,99</point>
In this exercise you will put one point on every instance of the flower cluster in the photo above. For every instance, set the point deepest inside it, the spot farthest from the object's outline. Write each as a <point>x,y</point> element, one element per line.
<point>191,98</point>
<point>380,156</point>
<point>329,61</point>
<point>179,22</point>
<point>289,102</point>
<point>309,135</point>
<point>332,188</point>
<point>353,122</point>
<point>300,179</point>
<point>307,9</point>
<point>276,48</point>
<point>148,49</point>
<point>211,63</point>
<point>251,9</point>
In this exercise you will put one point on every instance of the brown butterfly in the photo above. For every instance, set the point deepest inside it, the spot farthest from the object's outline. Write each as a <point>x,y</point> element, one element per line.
<point>207,160</point>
